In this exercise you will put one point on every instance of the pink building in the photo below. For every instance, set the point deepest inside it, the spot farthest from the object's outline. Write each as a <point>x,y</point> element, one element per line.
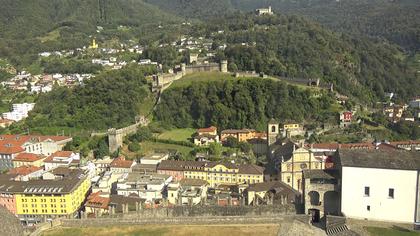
<point>7,197</point>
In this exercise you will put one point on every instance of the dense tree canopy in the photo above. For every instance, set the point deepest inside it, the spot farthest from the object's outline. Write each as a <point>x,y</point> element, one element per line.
<point>112,99</point>
<point>396,21</point>
<point>245,103</point>
<point>295,47</point>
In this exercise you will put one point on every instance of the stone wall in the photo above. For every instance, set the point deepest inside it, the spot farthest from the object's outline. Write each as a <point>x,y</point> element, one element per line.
<point>207,211</point>
<point>116,136</point>
<point>181,220</point>
<point>203,68</point>
<point>41,227</point>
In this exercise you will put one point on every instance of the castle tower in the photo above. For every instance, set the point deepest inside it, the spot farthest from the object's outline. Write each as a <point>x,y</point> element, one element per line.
<point>183,69</point>
<point>272,132</point>
<point>224,66</point>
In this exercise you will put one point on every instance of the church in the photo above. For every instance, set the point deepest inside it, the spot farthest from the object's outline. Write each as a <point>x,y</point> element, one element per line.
<point>289,158</point>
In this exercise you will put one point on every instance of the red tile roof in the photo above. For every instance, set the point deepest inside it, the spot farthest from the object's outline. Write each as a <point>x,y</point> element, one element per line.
<point>27,157</point>
<point>10,147</point>
<point>66,154</point>
<point>25,138</point>
<point>335,146</point>
<point>96,201</point>
<point>407,142</point>
<point>6,121</point>
<point>12,143</point>
<point>24,170</point>
<point>207,130</point>
<point>120,162</point>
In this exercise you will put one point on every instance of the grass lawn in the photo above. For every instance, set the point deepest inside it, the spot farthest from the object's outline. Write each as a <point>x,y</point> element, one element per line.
<point>149,147</point>
<point>173,230</point>
<point>373,128</point>
<point>178,134</point>
<point>394,231</point>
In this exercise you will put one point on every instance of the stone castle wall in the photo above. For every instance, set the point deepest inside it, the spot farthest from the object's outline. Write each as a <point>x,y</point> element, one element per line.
<point>192,215</point>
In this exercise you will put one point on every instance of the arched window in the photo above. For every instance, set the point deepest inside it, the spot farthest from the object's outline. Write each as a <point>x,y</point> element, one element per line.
<point>273,129</point>
<point>314,198</point>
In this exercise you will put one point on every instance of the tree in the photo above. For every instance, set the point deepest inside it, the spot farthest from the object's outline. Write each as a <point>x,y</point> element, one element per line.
<point>215,149</point>
<point>142,134</point>
<point>231,142</point>
<point>245,147</point>
<point>134,147</point>
<point>102,149</point>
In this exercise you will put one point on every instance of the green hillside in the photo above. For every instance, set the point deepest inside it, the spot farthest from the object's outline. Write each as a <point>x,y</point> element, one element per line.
<point>200,9</point>
<point>26,18</point>
<point>112,99</point>
<point>28,27</point>
<point>295,47</point>
<point>228,103</point>
<point>396,21</point>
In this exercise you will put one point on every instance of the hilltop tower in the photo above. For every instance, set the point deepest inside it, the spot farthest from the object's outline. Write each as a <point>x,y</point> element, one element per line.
<point>224,66</point>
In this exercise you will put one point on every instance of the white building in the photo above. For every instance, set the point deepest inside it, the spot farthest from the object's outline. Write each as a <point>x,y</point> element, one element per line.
<point>380,185</point>
<point>12,145</point>
<point>149,187</point>
<point>264,11</point>
<point>19,111</point>
<point>154,159</point>
<point>62,158</point>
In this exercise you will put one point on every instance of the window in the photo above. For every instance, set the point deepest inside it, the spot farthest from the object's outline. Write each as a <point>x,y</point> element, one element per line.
<point>288,179</point>
<point>273,129</point>
<point>367,191</point>
<point>391,193</point>
<point>368,208</point>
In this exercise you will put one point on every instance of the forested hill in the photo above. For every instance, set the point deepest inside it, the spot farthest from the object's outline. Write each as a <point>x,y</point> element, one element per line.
<point>28,18</point>
<point>396,21</point>
<point>292,46</point>
<point>28,27</point>
<point>200,9</point>
<point>241,103</point>
<point>112,99</point>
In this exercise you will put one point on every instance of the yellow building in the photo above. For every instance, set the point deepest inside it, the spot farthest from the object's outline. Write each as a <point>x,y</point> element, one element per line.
<point>294,159</point>
<point>39,200</point>
<point>242,135</point>
<point>214,173</point>
<point>291,126</point>
<point>28,159</point>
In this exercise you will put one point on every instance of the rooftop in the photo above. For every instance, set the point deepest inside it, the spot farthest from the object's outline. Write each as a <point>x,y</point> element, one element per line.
<point>24,170</point>
<point>207,130</point>
<point>96,201</point>
<point>276,186</point>
<point>201,165</point>
<point>402,160</point>
<point>27,157</point>
<point>121,162</point>
<point>57,186</point>
<point>60,156</point>
<point>193,182</point>
<point>236,131</point>
<point>319,174</point>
